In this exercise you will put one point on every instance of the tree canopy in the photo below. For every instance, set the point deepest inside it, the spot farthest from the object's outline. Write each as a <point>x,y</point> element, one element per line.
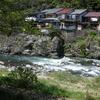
<point>37,5</point>
<point>11,18</point>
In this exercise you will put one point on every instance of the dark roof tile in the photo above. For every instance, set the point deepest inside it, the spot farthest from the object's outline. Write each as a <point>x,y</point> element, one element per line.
<point>51,11</point>
<point>93,14</point>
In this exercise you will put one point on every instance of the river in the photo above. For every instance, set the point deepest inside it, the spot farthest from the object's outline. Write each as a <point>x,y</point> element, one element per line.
<point>79,66</point>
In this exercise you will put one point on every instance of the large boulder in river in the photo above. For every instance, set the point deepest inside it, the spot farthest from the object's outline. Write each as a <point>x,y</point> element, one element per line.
<point>57,47</point>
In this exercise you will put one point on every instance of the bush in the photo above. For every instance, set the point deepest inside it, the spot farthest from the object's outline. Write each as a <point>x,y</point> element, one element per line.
<point>54,31</point>
<point>93,34</point>
<point>23,78</point>
<point>28,28</point>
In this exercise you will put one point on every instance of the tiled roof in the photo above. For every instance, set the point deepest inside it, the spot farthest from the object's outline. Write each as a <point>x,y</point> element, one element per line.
<point>65,11</point>
<point>93,14</point>
<point>78,11</point>
<point>51,11</point>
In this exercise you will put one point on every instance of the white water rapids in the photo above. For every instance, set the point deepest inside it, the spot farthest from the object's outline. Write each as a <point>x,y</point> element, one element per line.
<point>79,66</point>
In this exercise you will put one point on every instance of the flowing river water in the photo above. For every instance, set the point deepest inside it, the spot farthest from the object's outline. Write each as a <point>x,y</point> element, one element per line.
<point>79,66</point>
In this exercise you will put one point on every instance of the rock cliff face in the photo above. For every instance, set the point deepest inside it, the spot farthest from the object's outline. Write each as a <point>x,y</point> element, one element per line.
<point>31,45</point>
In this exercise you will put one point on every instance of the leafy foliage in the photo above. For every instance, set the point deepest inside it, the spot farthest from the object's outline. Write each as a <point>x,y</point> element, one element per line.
<point>92,5</point>
<point>11,18</point>
<point>93,34</point>
<point>23,78</point>
<point>54,31</point>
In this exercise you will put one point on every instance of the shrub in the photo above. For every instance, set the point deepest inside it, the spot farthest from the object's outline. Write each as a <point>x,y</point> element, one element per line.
<point>93,34</point>
<point>23,78</point>
<point>28,28</point>
<point>54,31</point>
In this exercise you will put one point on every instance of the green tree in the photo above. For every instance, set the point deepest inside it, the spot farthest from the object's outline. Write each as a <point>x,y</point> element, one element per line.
<point>12,20</point>
<point>10,17</point>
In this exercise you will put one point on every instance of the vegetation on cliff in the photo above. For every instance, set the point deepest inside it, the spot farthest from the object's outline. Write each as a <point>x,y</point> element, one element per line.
<point>84,46</point>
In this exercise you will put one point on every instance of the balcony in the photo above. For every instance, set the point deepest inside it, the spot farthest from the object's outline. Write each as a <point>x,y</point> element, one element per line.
<point>68,27</point>
<point>72,19</point>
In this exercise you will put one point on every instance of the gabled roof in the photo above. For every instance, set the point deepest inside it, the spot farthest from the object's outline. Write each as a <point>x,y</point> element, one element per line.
<point>93,14</point>
<point>65,10</point>
<point>78,11</point>
<point>51,11</point>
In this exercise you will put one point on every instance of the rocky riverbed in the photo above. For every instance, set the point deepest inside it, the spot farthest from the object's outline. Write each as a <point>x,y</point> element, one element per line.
<point>77,66</point>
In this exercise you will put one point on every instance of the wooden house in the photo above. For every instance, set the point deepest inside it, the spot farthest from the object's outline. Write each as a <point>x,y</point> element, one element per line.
<point>74,19</point>
<point>92,20</point>
<point>62,15</point>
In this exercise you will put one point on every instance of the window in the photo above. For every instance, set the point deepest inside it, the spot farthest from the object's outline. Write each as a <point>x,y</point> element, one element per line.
<point>94,19</point>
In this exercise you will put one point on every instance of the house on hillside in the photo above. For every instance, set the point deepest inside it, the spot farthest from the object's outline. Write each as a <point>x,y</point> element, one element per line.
<point>92,20</point>
<point>62,15</point>
<point>50,16</point>
<point>36,16</point>
<point>74,19</point>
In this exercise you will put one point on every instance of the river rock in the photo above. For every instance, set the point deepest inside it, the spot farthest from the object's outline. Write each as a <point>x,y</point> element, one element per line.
<point>1,62</point>
<point>2,66</point>
<point>90,74</point>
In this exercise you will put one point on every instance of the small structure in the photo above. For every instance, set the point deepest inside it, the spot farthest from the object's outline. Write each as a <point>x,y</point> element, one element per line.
<point>92,20</point>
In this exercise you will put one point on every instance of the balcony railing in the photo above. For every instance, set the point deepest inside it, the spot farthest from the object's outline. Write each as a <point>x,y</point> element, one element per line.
<point>72,19</point>
<point>69,19</point>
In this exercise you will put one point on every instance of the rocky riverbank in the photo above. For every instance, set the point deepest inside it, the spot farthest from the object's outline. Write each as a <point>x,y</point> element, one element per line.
<point>24,44</point>
<point>70,44</point>
<point>85,44</point>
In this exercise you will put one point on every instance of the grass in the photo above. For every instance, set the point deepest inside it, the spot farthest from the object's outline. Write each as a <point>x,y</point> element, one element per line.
<point>4,72</point>
<point>76,87</point>
<point>56,89</point>
<point>62,84</point>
